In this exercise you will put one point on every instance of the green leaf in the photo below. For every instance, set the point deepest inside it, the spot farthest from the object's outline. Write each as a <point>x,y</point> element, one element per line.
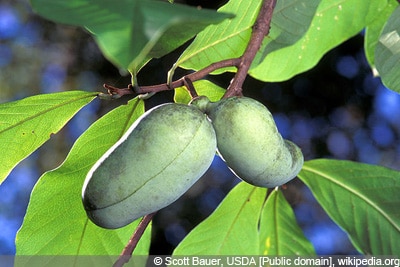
<point>203,87</point>
<point>387,52</point>
<point>279,232</point>
<point>374,30</point>
<point>334,22</point>
<point>229,39</point>
<point>28,123</point>
<point>362,199</point>
<point>130,32</point>
<point>232,229</point>
<point>55,221</point>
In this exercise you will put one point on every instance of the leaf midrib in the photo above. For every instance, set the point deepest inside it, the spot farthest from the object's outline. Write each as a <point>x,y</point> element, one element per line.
<point>235,219</point>
<point>358,194</point>
<point>46,111</point>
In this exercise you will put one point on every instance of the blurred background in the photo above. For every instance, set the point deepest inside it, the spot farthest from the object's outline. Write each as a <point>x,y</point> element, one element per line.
<point>336,110</point>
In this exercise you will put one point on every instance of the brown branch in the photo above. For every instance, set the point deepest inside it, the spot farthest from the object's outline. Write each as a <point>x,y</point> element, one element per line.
<point>260,30</point>
<point>130,247</point>
<point>114,92</point>
<point>197,75</point>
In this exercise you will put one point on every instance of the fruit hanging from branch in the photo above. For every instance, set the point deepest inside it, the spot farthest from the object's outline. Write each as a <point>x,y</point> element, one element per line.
<point>156,161</point>
<point>249,142</point>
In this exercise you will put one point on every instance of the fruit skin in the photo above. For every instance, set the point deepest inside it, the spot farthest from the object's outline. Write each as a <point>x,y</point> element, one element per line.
<point>249,142</point>
<point>156,161</point>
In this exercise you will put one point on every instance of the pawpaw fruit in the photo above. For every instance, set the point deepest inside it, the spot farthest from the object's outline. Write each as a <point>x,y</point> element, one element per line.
<point>155,162</point>
<point>249,142</point>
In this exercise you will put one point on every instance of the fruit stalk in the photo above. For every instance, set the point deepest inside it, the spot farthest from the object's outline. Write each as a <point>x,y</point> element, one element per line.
<point>126,254</point>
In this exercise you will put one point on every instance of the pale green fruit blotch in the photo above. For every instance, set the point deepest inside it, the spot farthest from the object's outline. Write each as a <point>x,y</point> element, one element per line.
<point>156,161</point>
<point>250,144</point>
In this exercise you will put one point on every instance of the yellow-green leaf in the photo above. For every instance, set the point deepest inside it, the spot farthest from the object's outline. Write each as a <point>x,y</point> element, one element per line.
<point>28,123</point>
<point>232,229</point>
<point>280,234</point>
<point>203,87</point>
<point>55,221</point>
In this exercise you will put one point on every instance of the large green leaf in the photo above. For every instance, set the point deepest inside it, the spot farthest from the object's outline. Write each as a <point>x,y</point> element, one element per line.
<point>279,232</point>
<point>28,123</point>
<point>374,30</point>
<point>55,221</point>
<point>129,32</point>
<point>362,199</point>
<point>229,39</point>
<point>387,52</point>
<point>232,229</point>
<point>334,22</point>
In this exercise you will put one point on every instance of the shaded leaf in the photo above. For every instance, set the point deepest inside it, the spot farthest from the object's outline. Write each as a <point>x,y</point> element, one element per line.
<point>232,229</point>
<point>280,234</point>
<point>334,22</point>
<point>374,30</point>
<point>229,39</point>
<point>387,52</point>
<point>203,87</point>
<point>55,221</point>
<point>27,124</point>
<point>362,199</point>
<point>130,32</point>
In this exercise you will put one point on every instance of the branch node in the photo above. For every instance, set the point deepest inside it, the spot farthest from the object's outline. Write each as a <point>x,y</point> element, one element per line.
<point>114,92</point>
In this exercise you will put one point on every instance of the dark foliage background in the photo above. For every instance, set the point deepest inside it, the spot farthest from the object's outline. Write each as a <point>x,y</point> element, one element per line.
<point>336,110</point>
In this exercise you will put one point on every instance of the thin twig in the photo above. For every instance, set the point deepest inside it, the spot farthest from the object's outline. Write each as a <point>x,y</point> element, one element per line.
<point>114,91</point>
<point>260,30</point>
<point>126,254</point>
<point>195,76</point>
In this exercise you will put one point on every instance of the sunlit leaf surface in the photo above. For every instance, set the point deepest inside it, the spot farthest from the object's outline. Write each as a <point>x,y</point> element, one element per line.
<point>279,232</point>
<point>232,229</point>
<point>55,221</point>
<point>27,124</point>
<point>229,39</point>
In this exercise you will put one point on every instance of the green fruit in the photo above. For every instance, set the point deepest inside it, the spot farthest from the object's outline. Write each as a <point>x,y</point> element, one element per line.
<point>249,142</point>
<point>156,161</point>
